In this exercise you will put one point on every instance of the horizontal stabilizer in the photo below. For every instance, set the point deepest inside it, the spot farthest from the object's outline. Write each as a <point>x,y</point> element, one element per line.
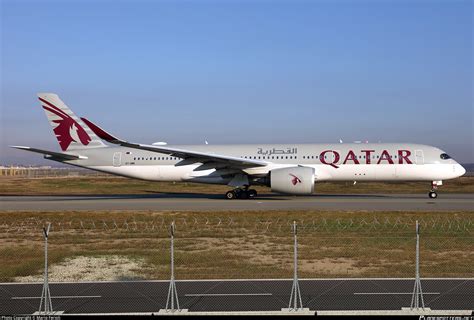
<point>51,154</point>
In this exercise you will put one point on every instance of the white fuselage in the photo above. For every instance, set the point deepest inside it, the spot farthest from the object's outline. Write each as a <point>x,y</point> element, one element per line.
<point>332,162</point>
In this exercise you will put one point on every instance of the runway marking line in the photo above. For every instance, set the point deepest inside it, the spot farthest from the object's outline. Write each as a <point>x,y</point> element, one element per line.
<point>225,294</point>
<point>392,293</point>
<point>57,297</point>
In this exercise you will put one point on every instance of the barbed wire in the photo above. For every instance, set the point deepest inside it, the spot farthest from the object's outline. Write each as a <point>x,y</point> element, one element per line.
<point>206,223</point>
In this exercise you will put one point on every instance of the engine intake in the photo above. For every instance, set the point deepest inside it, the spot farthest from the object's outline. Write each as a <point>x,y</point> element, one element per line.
<point>293,180</point>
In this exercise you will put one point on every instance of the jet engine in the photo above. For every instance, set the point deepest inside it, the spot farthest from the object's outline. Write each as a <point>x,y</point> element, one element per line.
<point>292,180</point>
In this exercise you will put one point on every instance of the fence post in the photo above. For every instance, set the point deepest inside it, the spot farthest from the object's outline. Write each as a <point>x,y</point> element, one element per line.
<point>417,292</point>
<point>46,307</point>
<point>172,302</point>
<point>296,303</point>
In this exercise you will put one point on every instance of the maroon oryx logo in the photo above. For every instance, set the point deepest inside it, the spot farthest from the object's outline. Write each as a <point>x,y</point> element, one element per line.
<point>67,130</point>
<point>295,179</point>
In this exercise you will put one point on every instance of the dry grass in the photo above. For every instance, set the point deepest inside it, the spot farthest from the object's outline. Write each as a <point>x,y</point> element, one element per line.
<point>245,244</point>
<point>82,268</point>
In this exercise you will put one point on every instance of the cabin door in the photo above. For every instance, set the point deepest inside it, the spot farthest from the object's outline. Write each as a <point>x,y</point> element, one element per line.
<point>117,159</point>
<point>419,159</point>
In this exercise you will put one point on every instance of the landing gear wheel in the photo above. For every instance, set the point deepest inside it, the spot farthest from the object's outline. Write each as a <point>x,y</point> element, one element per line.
<point>240,194</point>
<point>243,194</point>
<point>432,194</point>
<point>230,195</point>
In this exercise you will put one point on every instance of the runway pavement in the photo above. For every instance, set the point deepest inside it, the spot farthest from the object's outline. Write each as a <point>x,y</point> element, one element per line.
<point>206,202</point>
<point>238,295</point>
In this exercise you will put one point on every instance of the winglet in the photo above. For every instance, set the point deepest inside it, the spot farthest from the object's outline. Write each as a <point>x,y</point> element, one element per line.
<point>101,133</point>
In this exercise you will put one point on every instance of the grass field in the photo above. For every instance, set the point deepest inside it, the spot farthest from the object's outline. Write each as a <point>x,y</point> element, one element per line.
<point>118,185</point>
<point>244,244</point>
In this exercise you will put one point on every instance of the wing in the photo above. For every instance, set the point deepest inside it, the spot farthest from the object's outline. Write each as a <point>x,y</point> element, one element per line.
<point>208,160</point>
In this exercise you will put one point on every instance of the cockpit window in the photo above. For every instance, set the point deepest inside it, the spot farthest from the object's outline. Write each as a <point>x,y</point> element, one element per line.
<point>445,156</point>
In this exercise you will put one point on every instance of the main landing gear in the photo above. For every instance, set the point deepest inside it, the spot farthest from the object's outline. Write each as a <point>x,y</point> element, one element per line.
<point>434,187</point>
<point>241,194</point>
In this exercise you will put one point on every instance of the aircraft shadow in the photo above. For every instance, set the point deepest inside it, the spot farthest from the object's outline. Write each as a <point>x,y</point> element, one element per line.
<point>150,194</point>
<point>212,196</point>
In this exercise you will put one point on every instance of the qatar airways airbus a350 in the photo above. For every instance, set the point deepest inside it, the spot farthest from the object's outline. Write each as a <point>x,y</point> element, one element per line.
<point>285,168</point>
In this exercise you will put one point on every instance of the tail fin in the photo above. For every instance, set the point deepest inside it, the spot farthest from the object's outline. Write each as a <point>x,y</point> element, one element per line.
<point>71,132</point>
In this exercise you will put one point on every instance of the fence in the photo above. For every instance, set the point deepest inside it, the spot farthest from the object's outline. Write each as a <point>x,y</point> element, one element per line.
<point>38,172</point>
<point>234,246</point>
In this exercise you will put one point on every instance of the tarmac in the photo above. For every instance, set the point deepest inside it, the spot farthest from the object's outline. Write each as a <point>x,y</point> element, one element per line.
<point>237,295</point>
<point>208,202</point>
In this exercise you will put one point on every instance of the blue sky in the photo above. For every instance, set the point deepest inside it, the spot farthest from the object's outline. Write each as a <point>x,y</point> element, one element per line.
<point>241,71</point>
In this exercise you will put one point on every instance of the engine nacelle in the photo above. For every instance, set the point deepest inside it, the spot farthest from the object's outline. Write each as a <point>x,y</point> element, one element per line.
<point>293,180</point>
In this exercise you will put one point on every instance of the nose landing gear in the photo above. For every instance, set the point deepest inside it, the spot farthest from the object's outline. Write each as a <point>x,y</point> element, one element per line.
<point>434,187</point>
<point>240,193</point>
<point>432,194</point>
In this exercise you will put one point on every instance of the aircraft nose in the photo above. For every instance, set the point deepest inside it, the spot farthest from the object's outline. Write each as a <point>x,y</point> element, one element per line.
<point>460,170</point>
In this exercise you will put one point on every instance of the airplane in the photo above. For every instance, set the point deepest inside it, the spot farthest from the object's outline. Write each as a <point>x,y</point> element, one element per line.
<point>285,168</point>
